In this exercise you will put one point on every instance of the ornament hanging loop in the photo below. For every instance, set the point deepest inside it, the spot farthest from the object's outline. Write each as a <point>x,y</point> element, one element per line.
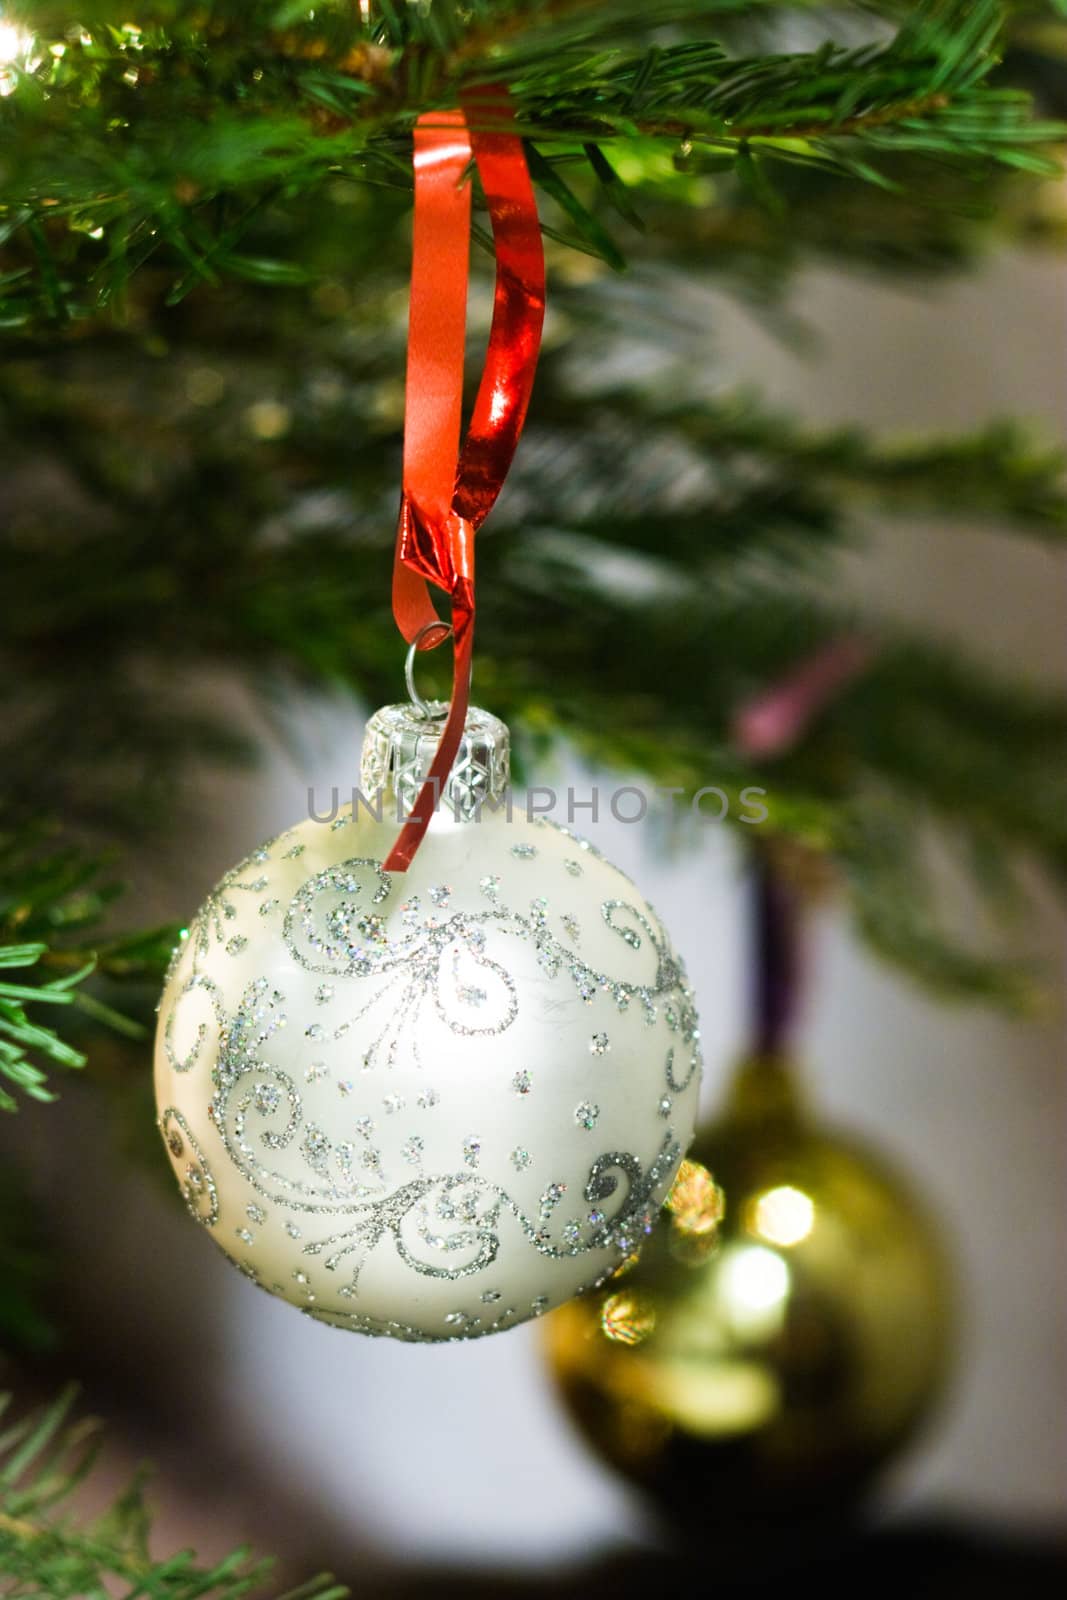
<point>449,485</point>
<point>423,707</point>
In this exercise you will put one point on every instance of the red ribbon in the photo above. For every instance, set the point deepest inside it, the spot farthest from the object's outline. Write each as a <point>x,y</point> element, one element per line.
<point>447,493</point>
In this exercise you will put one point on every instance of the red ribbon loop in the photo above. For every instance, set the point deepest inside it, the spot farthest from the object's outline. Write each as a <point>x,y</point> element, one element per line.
<point>448,494</point>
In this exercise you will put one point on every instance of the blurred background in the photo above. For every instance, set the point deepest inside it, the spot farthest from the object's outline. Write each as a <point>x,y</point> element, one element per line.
<point>923,1123</point>
<point>411,1455</point>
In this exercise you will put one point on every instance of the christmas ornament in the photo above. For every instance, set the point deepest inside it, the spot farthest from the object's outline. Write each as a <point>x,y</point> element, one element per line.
<point>430,1085</point>
<point>786,1330</point>
<point>766,1366</point>
<point>436,1103</point>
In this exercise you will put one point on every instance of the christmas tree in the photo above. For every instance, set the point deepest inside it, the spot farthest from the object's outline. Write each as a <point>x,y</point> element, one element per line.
<point>205,248</point>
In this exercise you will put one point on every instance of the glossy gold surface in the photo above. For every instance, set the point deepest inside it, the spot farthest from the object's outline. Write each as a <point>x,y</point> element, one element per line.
<point>784,1332</point>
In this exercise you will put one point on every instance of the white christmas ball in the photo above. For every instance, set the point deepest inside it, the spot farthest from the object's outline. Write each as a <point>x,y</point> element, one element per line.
<point>427,1104</point>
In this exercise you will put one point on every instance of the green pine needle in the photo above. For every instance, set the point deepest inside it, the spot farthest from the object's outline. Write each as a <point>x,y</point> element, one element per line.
<point>171,141</point>
<point>56,894</point>
<point>47,1554</point>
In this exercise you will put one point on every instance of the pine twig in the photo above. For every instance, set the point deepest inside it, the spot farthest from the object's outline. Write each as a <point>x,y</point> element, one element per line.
<point>43,1459</point>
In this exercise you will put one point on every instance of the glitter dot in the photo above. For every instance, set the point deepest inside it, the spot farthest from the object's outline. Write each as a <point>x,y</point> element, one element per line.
<point>664,1107</point>
<point>345,1086</point>
<point>586,1114</point>
<point>472,1149</point>
<point>393,1103</point>
<point>316,1032</point>
<point>412,1149</point>
<point>293,1231</point>
<point>524,852</point>
<point>520,1159</point>
<point>574,868</point>
<point>521,1082</point>
<point>323,993</point>
<point>427,1099</point>
<point>316,1145</point>
<point>489,885</point>
<point>174,1143</point>
<point>599,1044</point>
<point>490,1297</point>
<point>236,944</point>
<point>440,894</point>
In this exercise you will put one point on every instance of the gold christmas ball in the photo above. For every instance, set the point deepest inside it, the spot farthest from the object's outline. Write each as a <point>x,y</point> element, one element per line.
<point>784,1332</point>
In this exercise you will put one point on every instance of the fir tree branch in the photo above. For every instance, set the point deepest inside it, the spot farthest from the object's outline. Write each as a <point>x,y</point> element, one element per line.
<point>46,897</point>
<point>725,490</point>
<point>19,1036</point>
<point>252,528</point>
<point>43,1551</point>
<point>189,126</point>
<point>879,854</point>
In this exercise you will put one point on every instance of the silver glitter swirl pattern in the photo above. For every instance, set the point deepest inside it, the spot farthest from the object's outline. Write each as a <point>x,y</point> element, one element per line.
<point>201,985</point>
<point>198,1187</point>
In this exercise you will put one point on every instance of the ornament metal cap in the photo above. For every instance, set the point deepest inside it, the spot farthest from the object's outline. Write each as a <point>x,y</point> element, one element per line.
<point>400,741</point>
<point>399,744</point>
